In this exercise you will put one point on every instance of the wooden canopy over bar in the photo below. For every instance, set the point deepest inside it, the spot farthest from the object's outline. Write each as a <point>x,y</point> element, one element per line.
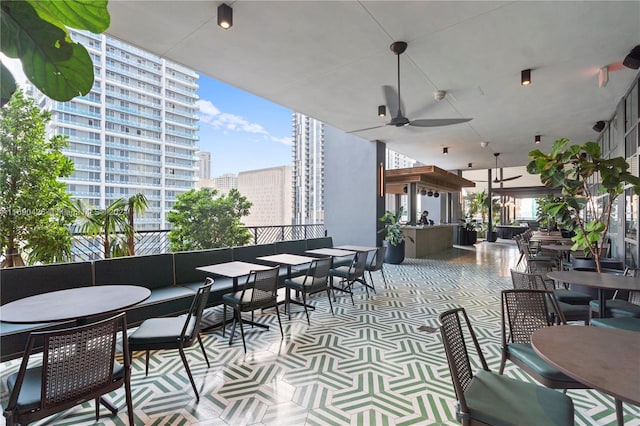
<point>428,177</point>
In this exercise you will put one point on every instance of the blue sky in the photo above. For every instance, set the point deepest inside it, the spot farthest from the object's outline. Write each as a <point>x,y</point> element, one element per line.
<point>242,131</point>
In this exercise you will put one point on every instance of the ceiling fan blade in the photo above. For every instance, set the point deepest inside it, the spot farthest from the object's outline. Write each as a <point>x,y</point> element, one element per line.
<point>437,122</point>
<point>391,99</point>
<point>507,179</point>
<point>367,128</point>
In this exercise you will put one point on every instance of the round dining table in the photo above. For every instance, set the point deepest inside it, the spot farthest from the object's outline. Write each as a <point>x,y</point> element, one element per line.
<point>599,280</point>
<point>605,359</point>
<point>73,304</point>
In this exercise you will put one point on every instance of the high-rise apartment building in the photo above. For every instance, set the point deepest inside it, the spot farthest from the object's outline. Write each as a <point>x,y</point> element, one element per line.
<point>135,132</point>
<point>203,164</point>
<point>270,192</point>
<point>308,170</point>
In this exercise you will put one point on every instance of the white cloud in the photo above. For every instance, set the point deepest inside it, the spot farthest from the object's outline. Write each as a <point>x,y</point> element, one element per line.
<point>211,115</point>
<point>286,140</point>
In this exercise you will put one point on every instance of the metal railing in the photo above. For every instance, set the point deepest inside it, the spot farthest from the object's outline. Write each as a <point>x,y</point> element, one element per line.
<point>87,247</point>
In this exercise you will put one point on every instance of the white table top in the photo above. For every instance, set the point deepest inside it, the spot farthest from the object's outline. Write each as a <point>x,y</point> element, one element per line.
<point>357,248</point>
<point>287,259</point>
<point>73,304</point>
<point>333,252</point>
<point>602,358</point>
<point>233,269</point>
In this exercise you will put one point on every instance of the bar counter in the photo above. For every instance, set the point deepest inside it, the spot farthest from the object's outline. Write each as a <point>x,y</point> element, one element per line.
<point>428,240</point>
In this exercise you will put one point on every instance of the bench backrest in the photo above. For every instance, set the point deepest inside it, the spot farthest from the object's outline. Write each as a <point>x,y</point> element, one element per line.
<point>153,271</point>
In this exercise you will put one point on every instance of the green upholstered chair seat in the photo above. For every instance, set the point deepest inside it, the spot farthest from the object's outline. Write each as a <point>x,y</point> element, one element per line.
<point>295,283</point>
<point>341,271</point>
<point>574,312</point>
<point>160,331</point>
<point>571,297</point>
<point>501,401</point>
<point>29,397</point>
<point>624,323</point>
<point>618,307</point>
<point>527,355</point>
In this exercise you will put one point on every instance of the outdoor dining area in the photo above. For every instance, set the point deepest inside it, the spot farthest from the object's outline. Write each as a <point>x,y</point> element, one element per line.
<point>352,340</point>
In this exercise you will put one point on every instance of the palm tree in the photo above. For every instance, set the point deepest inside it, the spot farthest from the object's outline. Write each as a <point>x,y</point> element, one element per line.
<point>136,205</point>
<point>110,223</point>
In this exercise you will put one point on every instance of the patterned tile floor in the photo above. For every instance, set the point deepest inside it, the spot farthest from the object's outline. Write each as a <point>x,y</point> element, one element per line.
<point>371,364</point>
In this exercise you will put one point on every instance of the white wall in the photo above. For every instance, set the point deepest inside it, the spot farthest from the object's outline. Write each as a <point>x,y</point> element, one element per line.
<point>350,188</point>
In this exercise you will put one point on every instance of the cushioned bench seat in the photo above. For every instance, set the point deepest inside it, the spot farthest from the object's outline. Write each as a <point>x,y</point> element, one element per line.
<point>624,323</point>
<point>186,274</point>
<point>15,336</point>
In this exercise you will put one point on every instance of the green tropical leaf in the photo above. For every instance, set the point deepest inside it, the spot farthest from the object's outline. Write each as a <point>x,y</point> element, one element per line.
<point>91,15</point>
<point>7,84</point>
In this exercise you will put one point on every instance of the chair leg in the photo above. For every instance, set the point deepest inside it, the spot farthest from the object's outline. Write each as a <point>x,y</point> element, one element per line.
<point>280,322</point>
<point>304,303</point>
<point>224,319</point>
<point>502,364</point>
<point>384,278</point>
<point>203,351</point>
<point>146,363</point>
<point>242,331</point>
<point>330,304</point>
<point>186,366</point>
<point>127,393</point>
<point>97,409</point>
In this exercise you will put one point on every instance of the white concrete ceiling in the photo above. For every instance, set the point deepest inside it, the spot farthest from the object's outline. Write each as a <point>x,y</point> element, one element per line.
<point>330,59</point>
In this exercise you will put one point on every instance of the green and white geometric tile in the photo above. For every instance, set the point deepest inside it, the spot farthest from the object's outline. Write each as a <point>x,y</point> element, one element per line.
<point>380,362</point>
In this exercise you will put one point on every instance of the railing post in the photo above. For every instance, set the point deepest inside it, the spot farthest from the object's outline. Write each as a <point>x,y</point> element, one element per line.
<point>255,236</point>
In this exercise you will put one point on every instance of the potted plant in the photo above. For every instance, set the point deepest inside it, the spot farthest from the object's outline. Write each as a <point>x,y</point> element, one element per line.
<point>574,169</point>
<point>393,237</point>
<point>468,235</point>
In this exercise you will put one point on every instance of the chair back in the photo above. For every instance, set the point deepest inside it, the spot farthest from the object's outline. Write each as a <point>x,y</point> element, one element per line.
<point>263,285</point>
<point>523,312</point>
<point>318,275</point>
<point>527,281</point>
<point>77,366</point>
<point>193,318</point>
<point>453,338</point>
<point>377,260</point>
<point>356,270</point>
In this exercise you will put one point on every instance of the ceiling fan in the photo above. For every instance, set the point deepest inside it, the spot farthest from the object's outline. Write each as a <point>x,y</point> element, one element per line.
<point>400,120</point>
<point>496,180</point>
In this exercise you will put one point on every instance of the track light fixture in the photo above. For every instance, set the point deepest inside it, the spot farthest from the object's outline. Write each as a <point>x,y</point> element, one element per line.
<point>423,192</point>
<point>599,126</point>
<point>525,77</point>
<point>470,165</point>
<point>430,193</point>
<point>405,189</point>
<point>436,194</point>
<point>225,16</point>
<point>537,139</point>
<point>382,110</point>
<point>445,150</point>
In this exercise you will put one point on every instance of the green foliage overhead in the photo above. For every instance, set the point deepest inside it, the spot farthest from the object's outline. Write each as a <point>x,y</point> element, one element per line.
<point>35,31</point>
<point>35,212</point>
<point>203,220</point>
<point>590,185</point>
<point>392,228</point>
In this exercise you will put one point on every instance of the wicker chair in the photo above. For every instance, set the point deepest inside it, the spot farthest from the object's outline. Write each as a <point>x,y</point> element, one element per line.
<point>349,275</point>
<point>78,365</point>
<point>619,307</point>
<point>174,333</point>
<point>488,398</point>
<point>523,312</point>
<point>260,291</point>
<point>535,281</point>
<point>377,264</point>
<point>316,280</point>
<point>533,262</point>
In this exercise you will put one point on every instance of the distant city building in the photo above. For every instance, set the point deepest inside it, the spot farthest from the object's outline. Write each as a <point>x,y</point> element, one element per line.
<point>308,170</point>
<point>203,164</point>
<point>135,132</point>
<point>270,192</point>
<point>225,182</point>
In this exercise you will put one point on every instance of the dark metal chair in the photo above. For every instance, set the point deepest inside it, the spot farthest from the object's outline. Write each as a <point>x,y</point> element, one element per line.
<point>315,281</point>
<point>488,398</point>
<point>349,275</point>
<point>376,264</point>
<point>78,365</point>
<point>524,312</point>
<point>174,332</point>
<point>260,291</point>
<point>535,281</point>
<point>620,307</point>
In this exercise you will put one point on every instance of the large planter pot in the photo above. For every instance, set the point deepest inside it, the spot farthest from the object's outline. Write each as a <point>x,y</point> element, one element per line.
<point>394,254</point>
<point>492,236</point>
<point>466,237</point>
